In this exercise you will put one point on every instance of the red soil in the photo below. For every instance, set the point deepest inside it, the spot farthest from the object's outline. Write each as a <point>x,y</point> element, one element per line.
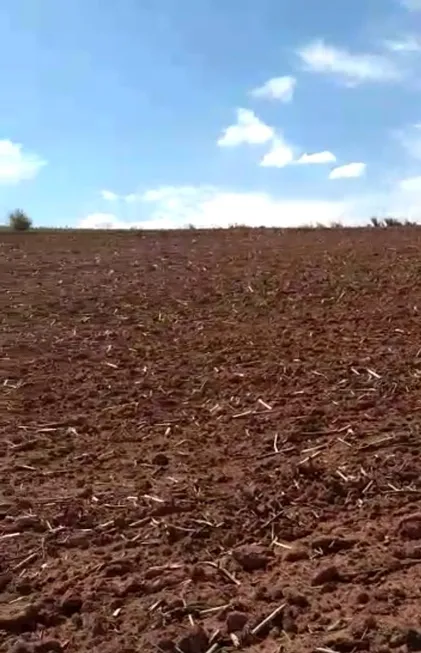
<point>201,430</point>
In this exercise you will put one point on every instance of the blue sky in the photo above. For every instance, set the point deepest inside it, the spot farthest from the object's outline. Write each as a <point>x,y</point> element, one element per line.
<point>171,112</point>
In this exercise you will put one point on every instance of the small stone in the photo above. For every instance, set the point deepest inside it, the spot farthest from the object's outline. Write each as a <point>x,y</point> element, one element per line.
<point>252,557</point>
<point>328,574</point>
<point>196,641</point>
<point>236,621</point>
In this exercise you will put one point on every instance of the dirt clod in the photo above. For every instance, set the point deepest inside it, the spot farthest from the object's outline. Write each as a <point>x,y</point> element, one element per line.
<point>329,574</point>
<point>342,641</point>
<point>413,639</point>
<point>48,646</point>
<point>252,557</point>
<point>71,604</point>
<point>17,618</point>
<point>21,646</point>
<point>196,641</point>
<point>160,459</point>
<point>410,526</point>
<point>332,544</point>
<point>295,554</point>
<point>236,621</point>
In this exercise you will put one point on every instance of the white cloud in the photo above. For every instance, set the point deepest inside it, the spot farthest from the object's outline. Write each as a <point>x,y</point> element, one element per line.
<point>102,221</point>
<point>406,45</point>
<point>208,207</point>
<point>248,129</point>
<point>172,207</point>
<point>410,185</point>
<point>277,88</point>
<point>411,5</point>
<point>109,195</point>
<point>279,156</point>
<point>406,198</point>
<point>352,68</point>
<point>348,171</point>
<point>317,157</point>
<point>17,165</point>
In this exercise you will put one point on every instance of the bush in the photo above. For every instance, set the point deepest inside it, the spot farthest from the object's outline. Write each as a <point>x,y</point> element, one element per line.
<point>392,222</point>
<point>19,221</point>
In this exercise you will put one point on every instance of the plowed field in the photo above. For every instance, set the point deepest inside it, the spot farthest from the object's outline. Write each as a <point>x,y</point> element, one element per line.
<point>210,441</point>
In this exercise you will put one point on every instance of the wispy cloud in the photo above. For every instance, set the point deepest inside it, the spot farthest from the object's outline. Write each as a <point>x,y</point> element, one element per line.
<point>16,164</point>
<point>277,88</point>
<point>410,139</point>
<point>317,157</point>
<point>109,195</point>
<point>411,5</point>
<point>248,129</point>
<point>348,171</point>
<point>408,44</point>
<point>351,68</point>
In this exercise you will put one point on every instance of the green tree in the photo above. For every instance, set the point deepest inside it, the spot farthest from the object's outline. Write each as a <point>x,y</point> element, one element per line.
<point>19,221</point>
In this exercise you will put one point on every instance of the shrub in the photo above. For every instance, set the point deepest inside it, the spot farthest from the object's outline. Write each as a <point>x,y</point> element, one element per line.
<point>392,222</point>
<point>19,221</point>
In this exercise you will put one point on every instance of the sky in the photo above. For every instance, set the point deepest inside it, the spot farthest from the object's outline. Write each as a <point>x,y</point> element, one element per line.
<point>169,113</point>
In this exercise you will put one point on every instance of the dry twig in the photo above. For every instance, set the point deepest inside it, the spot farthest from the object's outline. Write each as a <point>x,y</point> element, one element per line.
<point>25,561</point>
<point>257,629</point>
<point>223,571</point>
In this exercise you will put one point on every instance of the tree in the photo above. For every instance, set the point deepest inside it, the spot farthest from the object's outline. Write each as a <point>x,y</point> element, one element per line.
<point>19,221</point>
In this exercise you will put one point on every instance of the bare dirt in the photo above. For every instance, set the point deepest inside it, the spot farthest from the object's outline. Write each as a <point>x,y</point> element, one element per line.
<point>210,442</point>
